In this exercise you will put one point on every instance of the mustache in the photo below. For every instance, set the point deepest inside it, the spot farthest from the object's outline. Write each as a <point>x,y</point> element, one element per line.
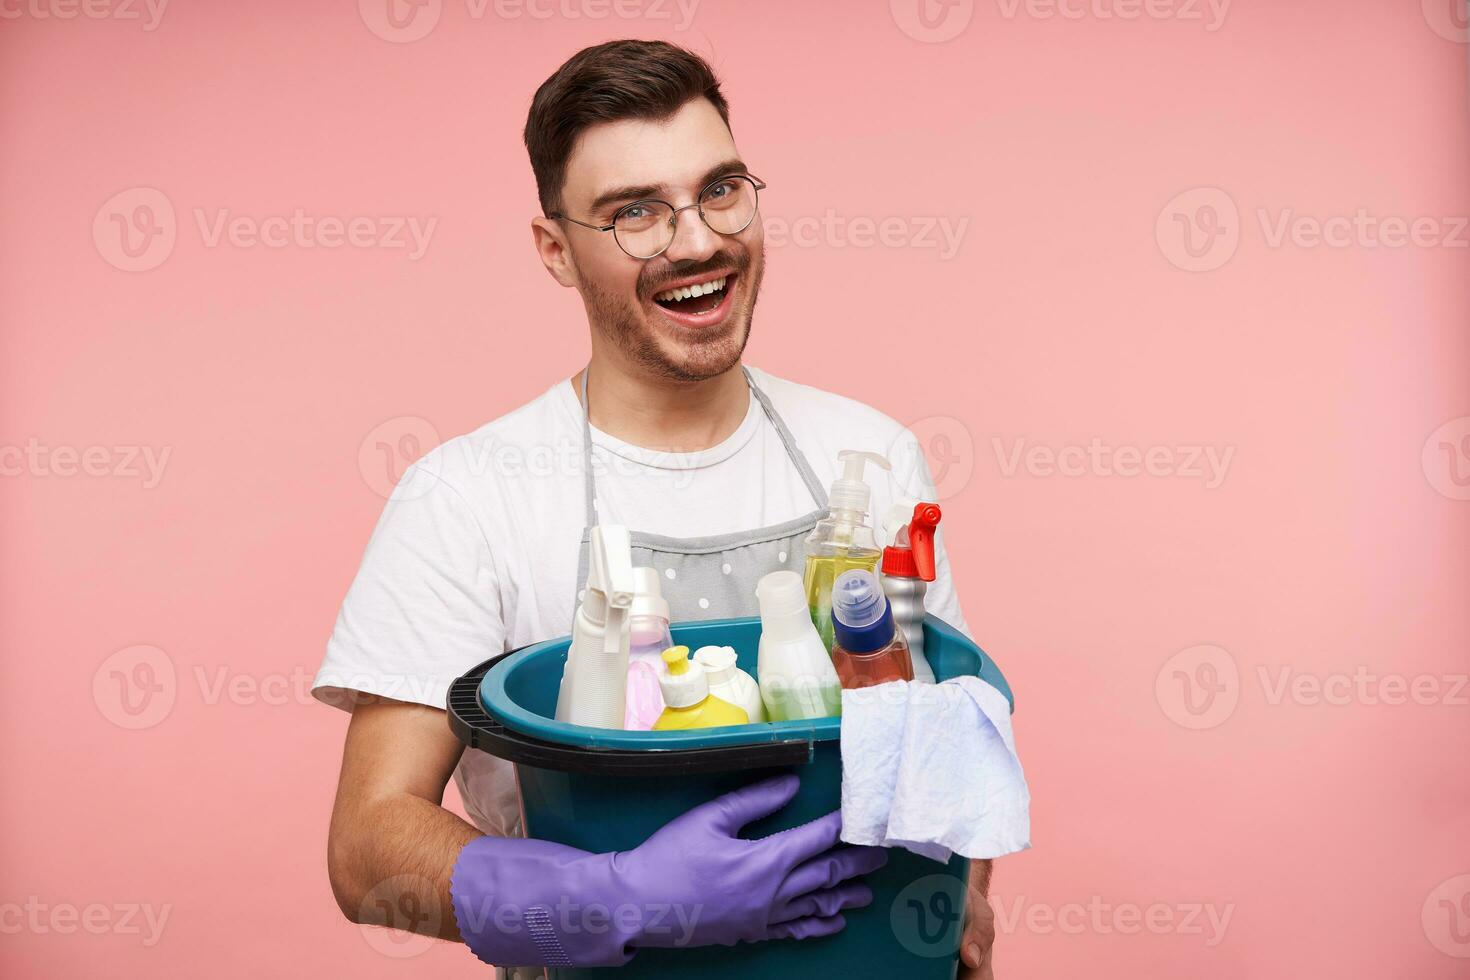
<point>656,281</point>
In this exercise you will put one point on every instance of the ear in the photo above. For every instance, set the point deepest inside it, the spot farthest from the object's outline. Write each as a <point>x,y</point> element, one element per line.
<point>552,247</point>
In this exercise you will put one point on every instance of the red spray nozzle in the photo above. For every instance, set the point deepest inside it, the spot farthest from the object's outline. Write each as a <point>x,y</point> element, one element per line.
<point>912,553</point>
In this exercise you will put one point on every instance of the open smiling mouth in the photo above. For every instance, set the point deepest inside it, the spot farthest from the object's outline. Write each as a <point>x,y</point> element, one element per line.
<point>700,304</point>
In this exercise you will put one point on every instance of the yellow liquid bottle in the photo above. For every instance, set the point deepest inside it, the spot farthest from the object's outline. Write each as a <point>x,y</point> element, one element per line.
<point>687,701</point>
<point>841,541</point>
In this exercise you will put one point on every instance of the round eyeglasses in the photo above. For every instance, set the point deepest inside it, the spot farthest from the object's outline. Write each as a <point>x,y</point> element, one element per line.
<point>645,229</point>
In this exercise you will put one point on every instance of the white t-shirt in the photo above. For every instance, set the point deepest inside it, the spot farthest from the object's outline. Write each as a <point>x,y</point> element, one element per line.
<point>476,552</point>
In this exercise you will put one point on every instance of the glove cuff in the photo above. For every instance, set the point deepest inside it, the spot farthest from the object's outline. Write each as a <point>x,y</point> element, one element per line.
<point>534,903</point>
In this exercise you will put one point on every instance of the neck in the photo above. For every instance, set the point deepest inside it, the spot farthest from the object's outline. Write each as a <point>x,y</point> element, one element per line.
<point>657,413</point>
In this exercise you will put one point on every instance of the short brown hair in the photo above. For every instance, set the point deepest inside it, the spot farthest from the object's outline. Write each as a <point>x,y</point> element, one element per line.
<point>605,83</point>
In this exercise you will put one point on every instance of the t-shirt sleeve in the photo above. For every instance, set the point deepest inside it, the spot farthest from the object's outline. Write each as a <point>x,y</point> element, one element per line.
<point>911,473</point>
<point>424,607</point>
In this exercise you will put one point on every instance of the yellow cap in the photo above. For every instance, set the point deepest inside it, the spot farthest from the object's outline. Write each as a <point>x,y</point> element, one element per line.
<point>677,659</point>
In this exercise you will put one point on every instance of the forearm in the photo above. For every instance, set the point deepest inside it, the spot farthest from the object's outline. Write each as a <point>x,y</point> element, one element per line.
<point>390,864</point>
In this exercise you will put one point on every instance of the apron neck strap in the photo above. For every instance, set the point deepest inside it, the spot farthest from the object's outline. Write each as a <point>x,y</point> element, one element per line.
<point>793,451</point>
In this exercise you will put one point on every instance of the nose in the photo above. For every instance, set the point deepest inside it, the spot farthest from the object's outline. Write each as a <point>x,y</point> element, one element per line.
<point>694,241</point>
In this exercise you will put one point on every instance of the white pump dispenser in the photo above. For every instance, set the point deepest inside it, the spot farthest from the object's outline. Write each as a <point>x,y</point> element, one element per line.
<point>594,681</point>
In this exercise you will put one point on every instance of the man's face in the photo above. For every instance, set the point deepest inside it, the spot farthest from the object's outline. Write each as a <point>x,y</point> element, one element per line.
<point>671,160</point>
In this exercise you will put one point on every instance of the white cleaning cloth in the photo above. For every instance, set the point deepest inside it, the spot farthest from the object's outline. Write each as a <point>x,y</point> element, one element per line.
<point>933,768</point>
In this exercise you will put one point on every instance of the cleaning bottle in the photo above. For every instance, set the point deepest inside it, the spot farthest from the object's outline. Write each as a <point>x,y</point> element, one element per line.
<point>908,564</point>
<point>729,683</point>
<point>594,679</point>
<point>648,638</point>
<point>842,540</point>
<point>868,648</point>
<point>688,702</point>
<point>797,679</point>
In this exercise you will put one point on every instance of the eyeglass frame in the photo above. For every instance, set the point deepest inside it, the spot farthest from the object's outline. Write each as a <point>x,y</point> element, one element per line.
<point>752,179</point>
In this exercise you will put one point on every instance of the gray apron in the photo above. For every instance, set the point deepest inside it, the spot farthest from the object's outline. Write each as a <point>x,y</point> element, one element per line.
<point>710,577</point>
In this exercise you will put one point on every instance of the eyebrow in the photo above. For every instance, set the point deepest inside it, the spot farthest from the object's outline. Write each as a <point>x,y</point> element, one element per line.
<point>638,192</point>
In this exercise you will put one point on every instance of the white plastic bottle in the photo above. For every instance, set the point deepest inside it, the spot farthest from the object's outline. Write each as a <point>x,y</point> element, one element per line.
<point>594,681</point>
<point>797,679</point>
<point>908,567</point>
<point>729,683</point>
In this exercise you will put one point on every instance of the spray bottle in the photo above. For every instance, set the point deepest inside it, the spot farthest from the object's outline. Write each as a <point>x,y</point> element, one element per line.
<point>908,564</point>
<point>594,680</point>
<point>841,541</point>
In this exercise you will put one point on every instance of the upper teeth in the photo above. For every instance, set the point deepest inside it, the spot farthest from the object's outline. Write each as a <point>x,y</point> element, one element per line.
<point>689,292</point>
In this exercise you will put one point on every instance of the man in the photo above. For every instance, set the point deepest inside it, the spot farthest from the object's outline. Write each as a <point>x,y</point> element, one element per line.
<point>651,214</point>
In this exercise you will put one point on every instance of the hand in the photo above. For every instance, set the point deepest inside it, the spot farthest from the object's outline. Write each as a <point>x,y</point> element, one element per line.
<point>978,942</point>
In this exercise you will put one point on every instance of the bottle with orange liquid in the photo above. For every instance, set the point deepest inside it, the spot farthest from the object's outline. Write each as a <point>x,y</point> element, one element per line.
<point>867,648</point>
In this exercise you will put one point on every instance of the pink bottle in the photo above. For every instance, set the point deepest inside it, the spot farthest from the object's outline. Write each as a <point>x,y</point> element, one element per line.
<point>649,637</point>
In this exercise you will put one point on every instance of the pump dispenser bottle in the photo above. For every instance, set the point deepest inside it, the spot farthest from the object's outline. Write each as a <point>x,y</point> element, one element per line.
<point>842,540</point>
<point>868,649</point>
<point>797,679</point>
<point>908,565</point>
<point>596,673</point>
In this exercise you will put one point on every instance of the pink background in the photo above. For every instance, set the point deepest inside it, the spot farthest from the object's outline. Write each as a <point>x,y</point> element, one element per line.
<point>1336,542</point>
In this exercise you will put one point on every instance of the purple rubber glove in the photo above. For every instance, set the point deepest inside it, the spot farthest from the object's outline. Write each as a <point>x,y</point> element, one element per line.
<point>693,883</point>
